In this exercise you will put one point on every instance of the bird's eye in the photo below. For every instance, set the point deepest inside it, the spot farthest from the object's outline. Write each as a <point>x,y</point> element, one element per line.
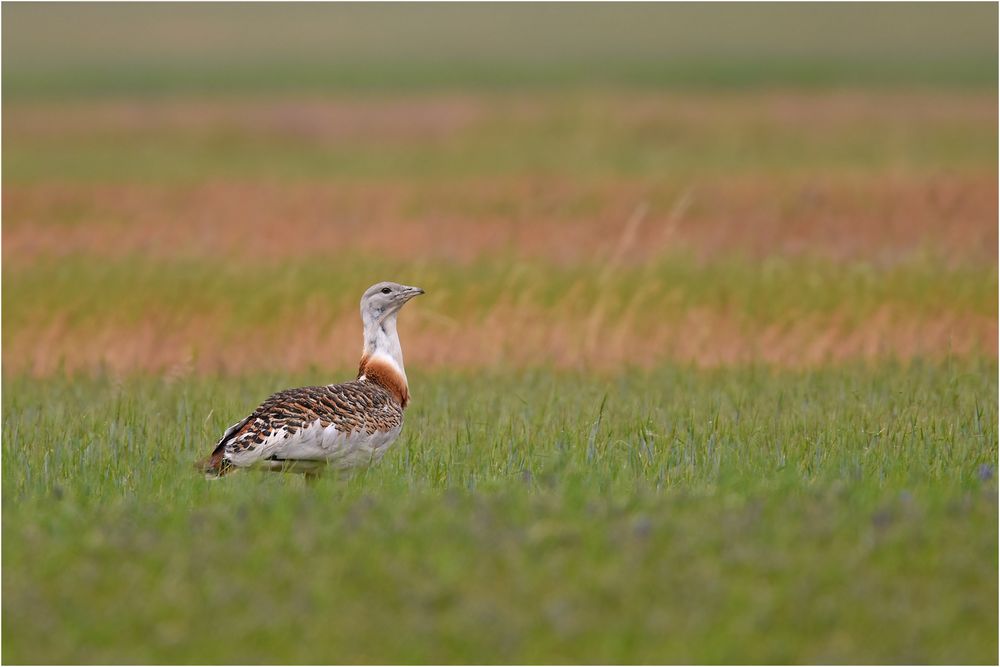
<point>386,290</point>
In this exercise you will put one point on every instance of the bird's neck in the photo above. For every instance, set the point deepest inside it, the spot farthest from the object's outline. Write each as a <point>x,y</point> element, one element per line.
<point>382,358</point>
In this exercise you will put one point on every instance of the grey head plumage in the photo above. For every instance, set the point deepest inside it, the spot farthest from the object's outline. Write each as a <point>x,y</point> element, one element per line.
<point>384,299</point>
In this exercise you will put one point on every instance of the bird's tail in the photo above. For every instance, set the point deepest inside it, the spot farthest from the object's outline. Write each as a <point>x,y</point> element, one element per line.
<point>215,466</point>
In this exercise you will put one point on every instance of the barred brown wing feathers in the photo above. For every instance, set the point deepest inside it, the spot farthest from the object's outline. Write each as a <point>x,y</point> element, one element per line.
<point>352,406</point>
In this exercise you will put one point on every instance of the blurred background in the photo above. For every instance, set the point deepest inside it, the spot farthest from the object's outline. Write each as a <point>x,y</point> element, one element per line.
<point>209,187</point>
<point>706,370</point>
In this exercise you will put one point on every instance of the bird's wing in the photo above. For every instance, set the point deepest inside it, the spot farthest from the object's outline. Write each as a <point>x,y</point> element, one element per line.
<point>306,420</point>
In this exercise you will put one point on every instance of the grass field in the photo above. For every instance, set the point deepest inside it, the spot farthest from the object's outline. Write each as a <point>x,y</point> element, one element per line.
<point>706,370</point>
<point>731,515</point>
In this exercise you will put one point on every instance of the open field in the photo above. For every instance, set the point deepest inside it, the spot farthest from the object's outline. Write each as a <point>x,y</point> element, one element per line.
<point>840,515</point>
<point>706,370</point>
<point>795,462</point>
<point>184,317</point>
<point>847,175</point>
<point>578,230</point>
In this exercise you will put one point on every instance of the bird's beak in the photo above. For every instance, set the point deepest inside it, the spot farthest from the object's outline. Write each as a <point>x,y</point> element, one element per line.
<point>412,292</point>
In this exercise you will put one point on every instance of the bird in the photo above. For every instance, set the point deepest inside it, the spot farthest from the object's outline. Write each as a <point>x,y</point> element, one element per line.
<point>341,426</point>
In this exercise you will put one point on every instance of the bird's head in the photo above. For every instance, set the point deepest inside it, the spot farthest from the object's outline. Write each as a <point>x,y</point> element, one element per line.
<point>383,300</point>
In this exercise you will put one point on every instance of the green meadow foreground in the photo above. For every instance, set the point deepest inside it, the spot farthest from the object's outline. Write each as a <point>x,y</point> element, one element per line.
<point>835,515</point>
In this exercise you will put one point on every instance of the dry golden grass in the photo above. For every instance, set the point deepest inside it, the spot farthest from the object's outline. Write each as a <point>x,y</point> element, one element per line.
<point>505,337</point>
<point>852,178</point>
<point>837,217</point>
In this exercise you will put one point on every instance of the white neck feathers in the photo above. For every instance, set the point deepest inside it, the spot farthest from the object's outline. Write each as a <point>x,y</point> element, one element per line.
<point>382,358</point>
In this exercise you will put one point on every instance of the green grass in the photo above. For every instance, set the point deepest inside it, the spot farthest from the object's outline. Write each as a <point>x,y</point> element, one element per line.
<point>581,136</point>
<point>95,50</point>
<point>748,515</point>
<point>85,293</point>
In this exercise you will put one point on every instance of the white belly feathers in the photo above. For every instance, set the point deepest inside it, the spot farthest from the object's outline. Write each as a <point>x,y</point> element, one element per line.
<point>314,442</point>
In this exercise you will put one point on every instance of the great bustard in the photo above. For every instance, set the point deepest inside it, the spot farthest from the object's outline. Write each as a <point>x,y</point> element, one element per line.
<point>337,425</point>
